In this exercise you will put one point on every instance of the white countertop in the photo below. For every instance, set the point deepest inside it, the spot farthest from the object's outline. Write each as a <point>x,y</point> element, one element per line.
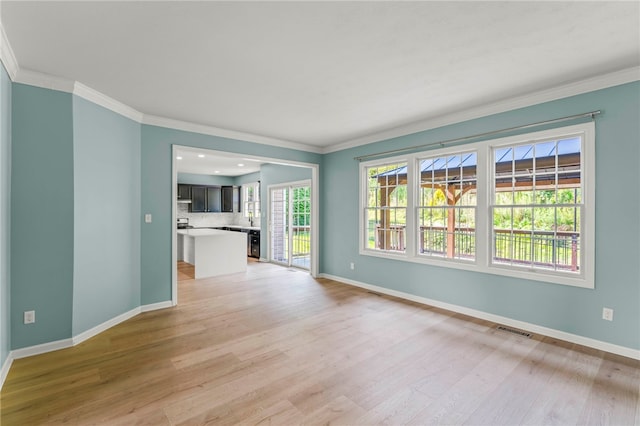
<point>253,228</point>
<point>203,232</point>
<point>213,252</point>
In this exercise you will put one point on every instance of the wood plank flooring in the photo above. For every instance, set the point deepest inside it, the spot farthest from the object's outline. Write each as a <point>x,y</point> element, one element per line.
<point>274,346</point>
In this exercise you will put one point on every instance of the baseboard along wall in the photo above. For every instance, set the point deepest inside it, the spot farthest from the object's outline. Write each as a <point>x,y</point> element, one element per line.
<point>533,328</point>
<point>77,339</point>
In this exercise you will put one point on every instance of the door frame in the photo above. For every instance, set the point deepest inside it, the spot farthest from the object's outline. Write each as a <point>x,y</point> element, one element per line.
<point>289,185</point>
<point>315,198</point>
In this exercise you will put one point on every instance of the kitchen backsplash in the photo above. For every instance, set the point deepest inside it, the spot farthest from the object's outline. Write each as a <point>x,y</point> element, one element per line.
<point>199,220</point>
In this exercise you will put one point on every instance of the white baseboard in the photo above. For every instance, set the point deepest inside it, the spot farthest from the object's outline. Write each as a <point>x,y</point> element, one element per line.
<point>117,320</point>
<point>550,332</point>
<point>42,348</point>
<point>79,338</point>
<point>156,306</point>
<point>5,368</point>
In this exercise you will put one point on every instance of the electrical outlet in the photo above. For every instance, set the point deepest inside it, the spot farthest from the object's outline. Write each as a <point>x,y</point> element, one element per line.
<point>148,218</point>
<point>352,266</point>
<point>29,317</point>
<point>607,314</point>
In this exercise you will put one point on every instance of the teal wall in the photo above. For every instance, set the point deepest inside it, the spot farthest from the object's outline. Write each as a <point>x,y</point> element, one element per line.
<point>248,178</point>
<point>41,215</point>
<point>55,143</point>
<point>106,264</point>
<point>195,179</point>
<point>569,309</point>
<point>156,196</point>
<point>273,174</point>
<point>5,210</point>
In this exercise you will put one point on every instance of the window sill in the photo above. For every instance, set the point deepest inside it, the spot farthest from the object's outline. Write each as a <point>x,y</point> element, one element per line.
<point>475,266</point>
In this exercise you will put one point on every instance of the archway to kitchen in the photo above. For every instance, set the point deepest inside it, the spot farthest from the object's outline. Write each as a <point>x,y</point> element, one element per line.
<point>245,180</point>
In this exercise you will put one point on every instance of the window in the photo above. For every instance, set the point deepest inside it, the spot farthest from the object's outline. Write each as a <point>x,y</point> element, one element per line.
<point>386,207</point>
<point>537,205</point>
<point>447,206</point>
<point>251,200</point>
<point>519,206</point>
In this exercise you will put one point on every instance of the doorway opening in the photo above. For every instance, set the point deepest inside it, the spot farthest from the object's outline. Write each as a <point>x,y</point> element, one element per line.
<point>290,224</point>
<point>270,170</point>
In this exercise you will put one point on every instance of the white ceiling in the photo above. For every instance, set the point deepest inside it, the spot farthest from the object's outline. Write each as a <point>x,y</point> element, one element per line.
<point>320,73</point>
<point>206,162</point>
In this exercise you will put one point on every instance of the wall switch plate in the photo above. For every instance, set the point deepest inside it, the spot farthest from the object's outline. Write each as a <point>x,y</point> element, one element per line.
<point>147,218</point>
<point>29,317</point>
<point>607,314</point>
<point>352,266</point>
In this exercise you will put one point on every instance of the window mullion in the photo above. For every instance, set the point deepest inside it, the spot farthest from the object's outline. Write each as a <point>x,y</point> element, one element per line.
<point>412,196</point>
<point>523,166</point>
<point>484,195</point>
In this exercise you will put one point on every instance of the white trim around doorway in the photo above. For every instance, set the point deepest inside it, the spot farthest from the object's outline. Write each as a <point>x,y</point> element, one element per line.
<point>315,199</point>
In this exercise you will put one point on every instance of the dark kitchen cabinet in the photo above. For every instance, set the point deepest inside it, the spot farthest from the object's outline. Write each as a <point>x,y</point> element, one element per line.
<point>198,199</point>
<point>184,192</point>
<point>237,199</point>
<point>205,199</point>
<point>231,199</point>
<point>213,199</point>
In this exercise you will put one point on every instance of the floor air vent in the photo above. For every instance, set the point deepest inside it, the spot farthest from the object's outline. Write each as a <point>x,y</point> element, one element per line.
<point>514,331</point>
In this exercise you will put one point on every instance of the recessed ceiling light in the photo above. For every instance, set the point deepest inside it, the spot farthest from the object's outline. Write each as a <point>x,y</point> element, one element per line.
<point>178,158</point>
<point>240,165</point>
<point>217,171</point>
<point>200,155</point>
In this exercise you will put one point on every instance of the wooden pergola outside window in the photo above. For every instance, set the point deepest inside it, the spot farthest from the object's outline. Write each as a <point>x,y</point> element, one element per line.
<point>543,166</point>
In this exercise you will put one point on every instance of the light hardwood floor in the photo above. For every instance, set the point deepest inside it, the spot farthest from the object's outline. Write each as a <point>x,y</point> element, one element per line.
<point>274,346</point>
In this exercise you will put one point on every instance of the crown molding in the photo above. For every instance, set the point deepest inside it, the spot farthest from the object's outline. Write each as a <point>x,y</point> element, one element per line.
<point>35,78</point>
<point>105,101</point>
<point>45,81</point>
<point>170,123</point>
<point>7,56</point>
<point>604,81</point>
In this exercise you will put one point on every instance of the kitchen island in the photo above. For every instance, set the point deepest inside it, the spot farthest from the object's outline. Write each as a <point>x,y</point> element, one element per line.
<point>213,252</point>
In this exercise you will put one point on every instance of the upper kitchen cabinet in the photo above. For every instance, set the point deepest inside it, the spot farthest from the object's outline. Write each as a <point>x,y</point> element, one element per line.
<point>210,199</point>
<point>205,199</point>
<point>231,199</point>
<point>184,192</point>
<point>213,199</point>
<point>198,199</point>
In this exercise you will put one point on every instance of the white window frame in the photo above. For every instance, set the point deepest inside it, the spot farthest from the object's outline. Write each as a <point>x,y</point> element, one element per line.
<point>250,206</point>
<point>427,156</point>
<point>364,249</point>
<point>484,221</point>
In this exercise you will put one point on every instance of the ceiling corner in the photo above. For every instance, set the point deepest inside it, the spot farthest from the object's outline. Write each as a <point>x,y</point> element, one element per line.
<point>7,56</point>
<point>566,90</point>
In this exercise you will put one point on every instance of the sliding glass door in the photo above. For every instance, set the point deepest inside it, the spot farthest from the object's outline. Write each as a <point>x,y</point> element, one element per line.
<point>290,224</point>
<point>279,225</point>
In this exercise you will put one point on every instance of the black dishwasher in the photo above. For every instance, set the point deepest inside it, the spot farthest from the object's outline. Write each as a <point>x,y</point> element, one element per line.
<point>253,240</point>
